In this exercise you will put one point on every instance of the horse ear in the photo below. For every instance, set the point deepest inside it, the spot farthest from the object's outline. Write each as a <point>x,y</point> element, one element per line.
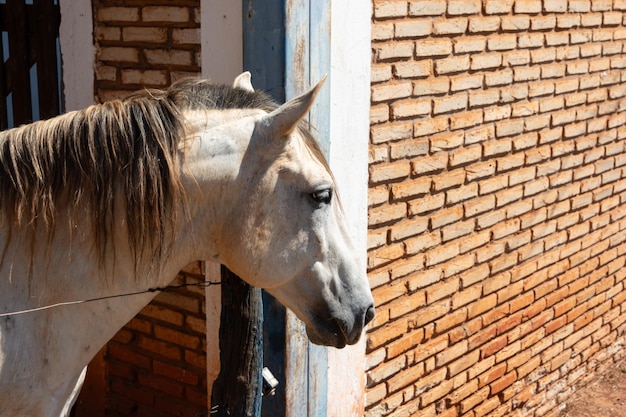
<point>243,81</point>
<point>284,120</point>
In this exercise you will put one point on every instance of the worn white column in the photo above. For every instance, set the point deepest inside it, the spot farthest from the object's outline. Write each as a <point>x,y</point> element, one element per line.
<point>221,40</point>
<point>77,53</point>
<point>222,60</point>
<point>350,60</point>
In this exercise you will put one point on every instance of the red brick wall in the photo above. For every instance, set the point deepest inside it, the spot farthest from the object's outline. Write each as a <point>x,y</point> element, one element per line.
<point>496,219</point>
<point>145,43</point>
<point>156,365</point>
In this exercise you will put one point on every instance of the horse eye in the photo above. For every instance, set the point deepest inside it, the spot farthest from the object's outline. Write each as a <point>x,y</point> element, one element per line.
<point>322,196</point>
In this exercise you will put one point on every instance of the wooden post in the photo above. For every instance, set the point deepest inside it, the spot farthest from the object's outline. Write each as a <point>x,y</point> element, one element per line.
<point>237,390</point>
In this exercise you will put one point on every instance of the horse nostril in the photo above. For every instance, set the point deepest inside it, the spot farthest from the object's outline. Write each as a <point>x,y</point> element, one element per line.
<point>369,314</point>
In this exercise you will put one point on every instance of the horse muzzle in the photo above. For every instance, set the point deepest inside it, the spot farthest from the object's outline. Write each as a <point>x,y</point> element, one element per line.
<point>337,332</point>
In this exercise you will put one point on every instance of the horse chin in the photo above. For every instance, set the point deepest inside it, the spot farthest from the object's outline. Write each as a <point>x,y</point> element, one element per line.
<point>326,338</point>
<point>330,333</point>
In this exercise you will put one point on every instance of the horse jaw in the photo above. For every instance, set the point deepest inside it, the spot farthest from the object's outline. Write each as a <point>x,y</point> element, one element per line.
<point>332,297</point>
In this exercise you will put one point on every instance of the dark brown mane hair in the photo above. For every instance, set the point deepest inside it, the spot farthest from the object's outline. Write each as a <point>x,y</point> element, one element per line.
<point>119,148</point>
<point>122,148</point>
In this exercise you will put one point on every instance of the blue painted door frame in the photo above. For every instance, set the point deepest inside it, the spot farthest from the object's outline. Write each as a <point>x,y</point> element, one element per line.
<point>286,47</point>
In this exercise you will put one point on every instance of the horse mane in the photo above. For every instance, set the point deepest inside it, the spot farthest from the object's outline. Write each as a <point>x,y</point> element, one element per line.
<point>122,148</point>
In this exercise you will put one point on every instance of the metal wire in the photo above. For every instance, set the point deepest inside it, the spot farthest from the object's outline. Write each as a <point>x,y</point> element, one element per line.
<point>203,284</point>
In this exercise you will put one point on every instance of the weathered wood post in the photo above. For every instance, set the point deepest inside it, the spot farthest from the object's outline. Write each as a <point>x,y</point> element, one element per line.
<point>238,387</point>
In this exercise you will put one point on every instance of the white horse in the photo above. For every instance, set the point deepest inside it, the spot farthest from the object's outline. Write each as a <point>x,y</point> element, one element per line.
<point>117,198</point>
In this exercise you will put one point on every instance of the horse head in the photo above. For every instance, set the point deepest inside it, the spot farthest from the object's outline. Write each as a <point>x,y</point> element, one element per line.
<point>288,233</point>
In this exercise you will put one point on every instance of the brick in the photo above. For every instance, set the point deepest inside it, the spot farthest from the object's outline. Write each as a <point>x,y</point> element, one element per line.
<point>179,301</point>
<point>429,165</point>
<point>144,78</point>
<point>458,230</point>
<point>449,179</point>
<point>386,214</point>
<point>381,72</point>
<point>413,188</point>
<point>486,61</point>
<point>391,91</point>
<point>426,204</point>
<point>498,7</point>
<point>118,14</point>
<point>186,36</point>
<point>144,34</point>
<point>465,155</point>
<point>530,40</point>
<point>412,69</point>
<point>483,98</point>
<point>106,33</point>
<point>450,27</point>
<point>516,57</point>
<point>555,6</point>
<point>452,65</point>
<point>388,172</point>
<point>433,47</point>
<point>118,54</point>
<point>423,242</point>
<point>461,7</point>
<point>391,132</point>
<point>502,43</point>
<point>466,120</point>
<point>509,128</point>
<point>502,383</point>
<point>499,78</point>
<point>403,379</point>
<point>379,114</point>
<point>484,24</point>
<point>482,305</point>
<point>395,50</point>
<point>442,254</point>
<point>431,87</point>
<point>168,56</point>
<point>487,188</point>
<point>410,108</point>
<point>567,21</point>
<point>527,6</point>
<point>516,23</point>
<point>579,6</point>
<point>427,7</point>
<point>161,348</point>
<point>450,104</point>
<point>412,29</point>
<point>478,397</point>
<point>407,304</point>
<point>465,45</point>
<point>479,135</point>
<point>382,31</point>
<point>165,14</point>
<point>408,149</point>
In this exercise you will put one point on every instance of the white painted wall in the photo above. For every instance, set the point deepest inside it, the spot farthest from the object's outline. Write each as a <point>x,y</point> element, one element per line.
<point>221,39</point>
<point>350,59</point>
<point>77,53</point>
<point>222,60</point>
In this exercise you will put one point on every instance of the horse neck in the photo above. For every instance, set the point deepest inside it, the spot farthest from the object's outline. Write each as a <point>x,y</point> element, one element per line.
<point>213,157</point>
